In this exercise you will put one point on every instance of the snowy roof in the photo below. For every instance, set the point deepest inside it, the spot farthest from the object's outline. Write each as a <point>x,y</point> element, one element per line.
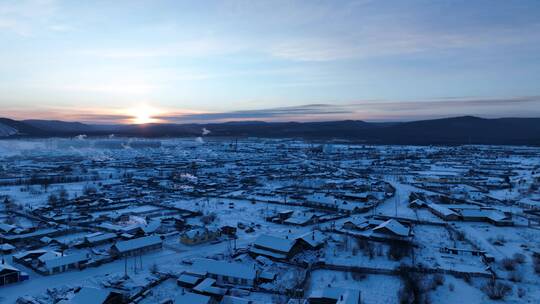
<point>151,227</point>
<point>65,260</point>
<point>138,243</point>
<point>313,238</point>
<point>207,285</point>
<point>6,247</point>
<point>188,278</point>
<point>49,255</point>
<point>393,226</point>
<point>100,237</point>
<point>6,227</point>
<point>21,255</point>
<point>192,298</point>
<point>8,267</point>
<point>491,214</point>
<point>268,253</point>
<point>236,300</point>
<point>89,295</point>
<point>342,295</point>
<point>274,243</point>
<point>223,268</point>
<point>417,202</point>
<point>441,209</point>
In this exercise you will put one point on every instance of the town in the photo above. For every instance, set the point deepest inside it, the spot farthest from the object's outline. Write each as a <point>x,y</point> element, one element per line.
<point>246,220</point>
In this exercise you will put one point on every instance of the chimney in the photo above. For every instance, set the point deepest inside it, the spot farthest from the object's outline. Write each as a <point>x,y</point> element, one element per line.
<point>313,236</point>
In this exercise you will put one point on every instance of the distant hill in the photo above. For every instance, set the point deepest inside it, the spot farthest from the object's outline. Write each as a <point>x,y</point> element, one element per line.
<point>448,131</point>
<point>13,127</point>
<point>59,126</point>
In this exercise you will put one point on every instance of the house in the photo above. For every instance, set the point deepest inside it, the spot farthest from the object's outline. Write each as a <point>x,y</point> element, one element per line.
<point>313,240</point>
<point>443,212</point>
<point>361,224</point>
<point>98,238</point>
<point>237,300</point>
<point>50,262</point>
<point>6,228</point>
<point>136,246</point>
<point>301,219</point>
<point>10,274</point>
<point>88,295</point>
<point>417,203</point>
<point>6,248</point>
<point>492,216</point>
<point>189,280</point>
<point>227,273</point>
<point>192,298</point>
<point>207,287</point>
<point>199,236</point>
<point>529,204</point>
<point>274,247</point>
<point>63,263</point>
<point>392,228</point>
<point>335,295</point>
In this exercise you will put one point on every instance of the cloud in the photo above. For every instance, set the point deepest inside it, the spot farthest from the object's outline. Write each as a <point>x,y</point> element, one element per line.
<point>396,41</point>
<point>197,47</point>
<point>23,17</point>
<point>370,110</point>
<point>322,110</point>
<point>376,110</point>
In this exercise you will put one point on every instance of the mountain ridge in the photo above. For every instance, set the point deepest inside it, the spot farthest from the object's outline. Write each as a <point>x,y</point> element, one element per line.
<point>444,131</point>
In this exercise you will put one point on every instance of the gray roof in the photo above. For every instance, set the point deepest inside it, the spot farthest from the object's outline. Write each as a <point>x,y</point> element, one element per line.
<point>274,243</point>
<point>393,226</point>
<point>94,238</point>
<point>223,268</point>
<point>191,298</point>
<point>89,295</point>
<point>65,260</point>
<point>138,243</point>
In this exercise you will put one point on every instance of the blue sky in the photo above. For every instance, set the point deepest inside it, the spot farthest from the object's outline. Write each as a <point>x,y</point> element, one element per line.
<point>184,61</point>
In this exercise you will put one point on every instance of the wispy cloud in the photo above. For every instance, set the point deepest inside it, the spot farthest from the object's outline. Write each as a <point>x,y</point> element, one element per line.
<point>397,41</point>
<point>370,110</point>
<point>376,110</point>
<point>194,47</point>
<point>23,17</point>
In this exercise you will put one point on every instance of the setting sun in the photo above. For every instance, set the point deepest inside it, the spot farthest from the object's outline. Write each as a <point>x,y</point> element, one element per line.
<point>143,115</point>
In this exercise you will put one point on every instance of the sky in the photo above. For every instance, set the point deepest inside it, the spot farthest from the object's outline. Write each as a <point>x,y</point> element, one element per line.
<point>198,61</point>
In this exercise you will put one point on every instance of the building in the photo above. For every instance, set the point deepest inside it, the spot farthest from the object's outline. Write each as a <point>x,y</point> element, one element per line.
<point>189,280</point>
<point>274,247</point>
<point>88,295</point>
<point>10,275</point>
<point>48,262</point>
<point>6,248</point>
<point>494,217</point>
<point>226,273</point>
<point>98,238</point>
<point>199,236</point>
<point>312,240</point>
<point>335,295</point>
<point>443,212</point>
<point>392,228</point>
<point>136,246</point>
<point>64,263</point>
<point>192,298</point>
